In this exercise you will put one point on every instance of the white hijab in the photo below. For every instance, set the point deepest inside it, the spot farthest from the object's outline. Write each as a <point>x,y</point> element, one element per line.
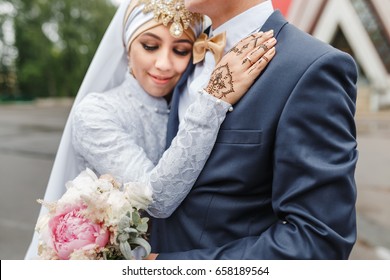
<point>111,56</point>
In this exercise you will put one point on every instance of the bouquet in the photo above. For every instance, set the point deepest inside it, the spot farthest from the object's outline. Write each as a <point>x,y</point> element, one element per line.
<point>95,219</point>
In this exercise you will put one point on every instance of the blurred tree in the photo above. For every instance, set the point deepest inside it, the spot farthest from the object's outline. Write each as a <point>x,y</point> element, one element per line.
<point>56,40</point>
<point>7,51</point>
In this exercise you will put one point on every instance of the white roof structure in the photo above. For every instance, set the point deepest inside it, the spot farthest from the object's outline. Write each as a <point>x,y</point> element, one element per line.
<point>360,27</point>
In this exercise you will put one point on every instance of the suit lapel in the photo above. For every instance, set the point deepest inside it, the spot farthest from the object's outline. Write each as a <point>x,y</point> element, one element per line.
<point>276,22</point>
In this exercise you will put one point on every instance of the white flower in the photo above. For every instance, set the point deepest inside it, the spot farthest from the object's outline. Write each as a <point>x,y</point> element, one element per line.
<point>85,183</point>
<point>93,203</point>
<point>119,206</point>
<point>139,194</point>
<point>42,227</point>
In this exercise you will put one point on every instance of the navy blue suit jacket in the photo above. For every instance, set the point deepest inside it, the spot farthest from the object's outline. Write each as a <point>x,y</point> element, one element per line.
<point>279,183</point>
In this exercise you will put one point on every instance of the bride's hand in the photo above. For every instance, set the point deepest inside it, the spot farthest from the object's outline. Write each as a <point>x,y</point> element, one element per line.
<point>239,68</point>
<point>111,179</point>
<point>151,256</point>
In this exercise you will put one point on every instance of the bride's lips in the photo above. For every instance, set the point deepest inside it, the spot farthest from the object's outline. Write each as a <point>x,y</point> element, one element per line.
<point>160,80</point>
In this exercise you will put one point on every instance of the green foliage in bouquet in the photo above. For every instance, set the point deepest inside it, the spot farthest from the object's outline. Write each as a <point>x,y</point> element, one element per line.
<point>132,233</point>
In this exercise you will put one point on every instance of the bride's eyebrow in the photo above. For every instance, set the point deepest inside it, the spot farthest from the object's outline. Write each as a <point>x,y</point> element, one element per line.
<point>184,41</point>
<point>151,35</point>
<point>155,36</point>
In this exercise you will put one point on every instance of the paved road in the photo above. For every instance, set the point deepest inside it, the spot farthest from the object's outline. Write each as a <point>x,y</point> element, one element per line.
<point>30,134</point>
<point>373,182</point>
<point>29,137</point>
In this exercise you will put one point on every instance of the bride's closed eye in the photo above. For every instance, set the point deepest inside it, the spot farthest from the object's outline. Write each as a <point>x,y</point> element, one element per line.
<point>182,52</point>
<point>182,47</point>
<point>177,50</point>
<point>149,47</point>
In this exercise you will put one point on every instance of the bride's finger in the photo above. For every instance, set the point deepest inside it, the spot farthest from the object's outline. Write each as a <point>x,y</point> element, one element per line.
<point>260,65</point>
<point>261,37</point>
<point>251,42</point>
<point>264,47</point>
<point>261,50</point>
<point>251,58</point>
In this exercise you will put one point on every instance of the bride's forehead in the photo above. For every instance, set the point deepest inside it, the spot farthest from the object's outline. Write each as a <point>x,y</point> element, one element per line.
<point>162,33</point>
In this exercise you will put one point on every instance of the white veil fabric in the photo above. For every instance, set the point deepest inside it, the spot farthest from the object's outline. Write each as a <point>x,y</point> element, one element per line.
<point>107,70</point>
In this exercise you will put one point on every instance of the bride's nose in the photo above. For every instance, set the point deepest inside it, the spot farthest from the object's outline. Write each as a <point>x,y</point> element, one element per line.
<point>164,61</point>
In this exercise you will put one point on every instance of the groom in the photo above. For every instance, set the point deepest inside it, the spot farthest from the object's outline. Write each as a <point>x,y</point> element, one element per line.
<point>279,183</point>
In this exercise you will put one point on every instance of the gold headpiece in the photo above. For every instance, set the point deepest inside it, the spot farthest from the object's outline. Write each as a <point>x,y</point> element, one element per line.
<point>173,11</point>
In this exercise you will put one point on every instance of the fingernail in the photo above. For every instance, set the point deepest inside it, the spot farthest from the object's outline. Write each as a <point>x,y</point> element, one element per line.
<point>271,41</point>
<point>271,50</point>
<point>270,32</point>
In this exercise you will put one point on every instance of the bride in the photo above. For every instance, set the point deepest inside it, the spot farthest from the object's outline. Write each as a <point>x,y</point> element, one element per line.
<point>118,122</point>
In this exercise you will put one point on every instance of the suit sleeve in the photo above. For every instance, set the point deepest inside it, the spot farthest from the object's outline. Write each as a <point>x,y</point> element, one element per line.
<point>313,189</point>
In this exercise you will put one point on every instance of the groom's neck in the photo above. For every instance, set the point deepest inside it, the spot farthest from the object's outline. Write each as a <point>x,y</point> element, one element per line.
<point>230,9</point>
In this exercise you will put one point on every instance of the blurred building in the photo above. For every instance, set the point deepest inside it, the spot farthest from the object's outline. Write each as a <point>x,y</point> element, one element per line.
<point>359,27</point>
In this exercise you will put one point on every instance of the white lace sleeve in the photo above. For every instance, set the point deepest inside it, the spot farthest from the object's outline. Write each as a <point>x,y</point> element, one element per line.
<point>109,142</point>
<point>182,162</point>
<point>108,136</point>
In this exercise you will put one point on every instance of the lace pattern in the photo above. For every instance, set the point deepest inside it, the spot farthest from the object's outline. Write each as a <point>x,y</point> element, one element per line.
<point>123,132</point>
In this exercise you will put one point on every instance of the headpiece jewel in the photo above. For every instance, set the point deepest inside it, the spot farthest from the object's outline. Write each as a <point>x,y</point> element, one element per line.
<point>173,11</point>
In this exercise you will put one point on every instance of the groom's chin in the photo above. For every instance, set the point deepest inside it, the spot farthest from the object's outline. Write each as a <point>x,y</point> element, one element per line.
<point>195,6</point>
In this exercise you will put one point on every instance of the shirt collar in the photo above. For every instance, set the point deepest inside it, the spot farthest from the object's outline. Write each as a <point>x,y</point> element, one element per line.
<point>243,24</point>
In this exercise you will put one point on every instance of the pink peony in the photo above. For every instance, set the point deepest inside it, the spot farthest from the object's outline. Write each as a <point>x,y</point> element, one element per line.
<point>71,231</point>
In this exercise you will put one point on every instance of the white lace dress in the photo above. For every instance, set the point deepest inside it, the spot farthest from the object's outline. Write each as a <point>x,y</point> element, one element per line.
<point>123,132</point>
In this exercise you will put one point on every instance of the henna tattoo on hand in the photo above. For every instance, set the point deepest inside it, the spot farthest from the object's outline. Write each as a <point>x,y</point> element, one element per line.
<point>221,82</point>
<point>246,59</point>
<point>238,51</point>
<point>234,49</point>
<point>264,47</point>
<point>256,40</point>
<point>244,47</point>
<point>254,68</point>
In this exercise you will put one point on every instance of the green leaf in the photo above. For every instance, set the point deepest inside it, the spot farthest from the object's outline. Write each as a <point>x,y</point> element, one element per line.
<point>130,230</point>
<point>143,243</point>
<point>143,227</point>
<point>126,250</point>
<point>136,218</point>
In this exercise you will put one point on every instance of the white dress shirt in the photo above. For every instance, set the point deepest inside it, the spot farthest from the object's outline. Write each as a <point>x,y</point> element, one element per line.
<point>236,29</point>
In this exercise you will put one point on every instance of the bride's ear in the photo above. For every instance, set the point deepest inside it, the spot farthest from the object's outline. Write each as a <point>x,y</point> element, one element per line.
<point>129,64</point>
<point>131,71</point>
